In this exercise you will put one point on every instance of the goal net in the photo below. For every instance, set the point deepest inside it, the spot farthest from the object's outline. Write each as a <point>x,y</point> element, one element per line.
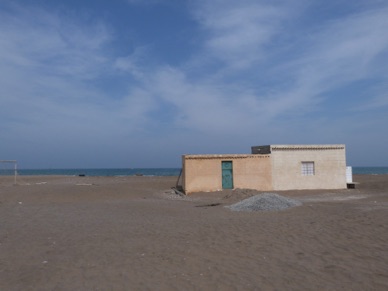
<point>8,172</point>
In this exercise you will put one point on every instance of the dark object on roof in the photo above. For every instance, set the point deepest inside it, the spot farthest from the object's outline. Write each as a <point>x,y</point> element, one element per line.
<point>261,150</point>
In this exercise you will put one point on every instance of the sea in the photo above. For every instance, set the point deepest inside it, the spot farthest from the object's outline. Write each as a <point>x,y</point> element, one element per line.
<point>144,171</point>
<point>97,172</point>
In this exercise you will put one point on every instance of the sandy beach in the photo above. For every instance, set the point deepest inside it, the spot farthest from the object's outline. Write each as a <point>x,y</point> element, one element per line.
<point>135,233</point>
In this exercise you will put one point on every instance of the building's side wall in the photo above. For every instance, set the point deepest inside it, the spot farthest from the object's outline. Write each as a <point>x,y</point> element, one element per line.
<point>204,173</point>
<point>253,172</point>
<point>329,164</point>
<point>201,175</point>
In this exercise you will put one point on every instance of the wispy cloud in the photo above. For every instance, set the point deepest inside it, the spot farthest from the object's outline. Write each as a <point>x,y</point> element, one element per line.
<point>37,40</point>
<point>238,33</point>
<point>345,50</point>
<point>47,61</point>
<point>244,37</point>
<point>258,70</point>
<point>133,63</point>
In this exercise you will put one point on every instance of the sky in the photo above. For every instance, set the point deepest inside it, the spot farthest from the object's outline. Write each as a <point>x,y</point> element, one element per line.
<point>136,84</point>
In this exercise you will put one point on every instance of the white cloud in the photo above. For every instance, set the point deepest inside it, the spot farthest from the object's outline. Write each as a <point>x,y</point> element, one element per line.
<point>345,50</point>
<point>133,63</point>
<point>238,32</point>
<point>203,107</point>
<point>333,55</point>
<point>50,65</point>
<point>34,39</point>
<point>339,53</point>
<point>252,77</point>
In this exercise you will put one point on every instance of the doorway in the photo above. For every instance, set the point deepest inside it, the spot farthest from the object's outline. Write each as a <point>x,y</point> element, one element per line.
<point>227,174</point>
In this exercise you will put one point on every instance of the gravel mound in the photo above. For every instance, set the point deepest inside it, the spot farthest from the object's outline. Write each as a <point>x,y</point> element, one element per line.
<point>264,202</point>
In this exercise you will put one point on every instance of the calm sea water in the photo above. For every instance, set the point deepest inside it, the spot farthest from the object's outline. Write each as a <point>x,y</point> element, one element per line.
<point>370,170</point>
<point>145,171</point>
<point>103,172</point>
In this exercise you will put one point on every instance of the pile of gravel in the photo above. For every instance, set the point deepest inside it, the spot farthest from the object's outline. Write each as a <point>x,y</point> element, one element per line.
<point>265,202</point>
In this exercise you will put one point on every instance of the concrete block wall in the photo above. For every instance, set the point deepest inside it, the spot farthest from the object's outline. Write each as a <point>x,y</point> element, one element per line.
<point>201,173</point>
<point>253,172</point>
<point>329,162</point>
<point>204,172</point>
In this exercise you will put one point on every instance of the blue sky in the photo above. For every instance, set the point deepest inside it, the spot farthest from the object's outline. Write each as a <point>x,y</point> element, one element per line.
<point>131,83</point>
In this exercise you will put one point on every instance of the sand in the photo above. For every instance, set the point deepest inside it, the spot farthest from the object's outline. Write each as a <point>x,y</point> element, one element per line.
<point>133,233</point>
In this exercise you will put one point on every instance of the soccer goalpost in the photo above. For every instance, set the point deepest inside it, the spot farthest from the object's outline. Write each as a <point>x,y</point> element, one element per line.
<point>13,171</point>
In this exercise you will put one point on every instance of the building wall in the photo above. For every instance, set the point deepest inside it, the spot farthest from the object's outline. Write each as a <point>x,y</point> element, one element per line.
<point>329,163</point>
<point>204,172</point>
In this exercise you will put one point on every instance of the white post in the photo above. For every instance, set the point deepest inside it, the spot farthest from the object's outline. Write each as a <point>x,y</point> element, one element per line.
<point>349,175</point>
<point>16,172</point>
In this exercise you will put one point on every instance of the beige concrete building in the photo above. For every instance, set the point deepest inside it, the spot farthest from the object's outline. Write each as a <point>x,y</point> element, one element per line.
<point>271,167</point>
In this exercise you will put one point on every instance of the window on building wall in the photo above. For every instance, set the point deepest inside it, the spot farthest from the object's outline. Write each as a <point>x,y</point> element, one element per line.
<point>308,169</point>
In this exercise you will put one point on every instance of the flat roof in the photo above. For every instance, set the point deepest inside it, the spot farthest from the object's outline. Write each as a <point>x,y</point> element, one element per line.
<point>307,146</point>
<point>273,147</point>
<point>224,156</point>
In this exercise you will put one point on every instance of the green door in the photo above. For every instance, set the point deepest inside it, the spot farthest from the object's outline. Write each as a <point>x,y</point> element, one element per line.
<point>227,175</point>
